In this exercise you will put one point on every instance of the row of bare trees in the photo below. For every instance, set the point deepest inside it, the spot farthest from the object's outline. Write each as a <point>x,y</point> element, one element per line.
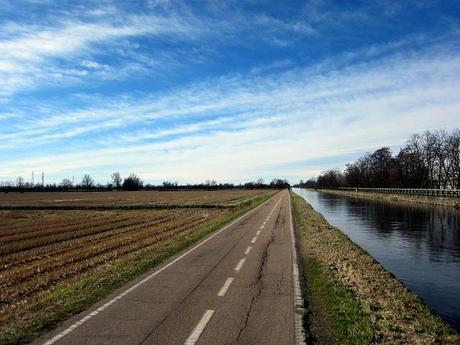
<point>134,182</point>
<point>428,160</point>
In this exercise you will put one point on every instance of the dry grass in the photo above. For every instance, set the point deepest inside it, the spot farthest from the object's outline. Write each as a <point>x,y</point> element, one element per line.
<point>396,315</point>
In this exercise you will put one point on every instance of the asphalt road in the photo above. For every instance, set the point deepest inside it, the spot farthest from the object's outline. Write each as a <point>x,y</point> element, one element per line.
<point>237,286</point>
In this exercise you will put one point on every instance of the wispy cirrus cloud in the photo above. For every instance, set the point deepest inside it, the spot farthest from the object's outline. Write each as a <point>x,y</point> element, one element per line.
<point>243,126</point>
<point>31,54</point>
<point>224,90</point>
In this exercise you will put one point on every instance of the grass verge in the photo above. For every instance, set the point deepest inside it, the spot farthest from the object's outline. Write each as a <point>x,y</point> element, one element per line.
<point>45,313</point>
<point>338,317</point>
<point>351,298</point>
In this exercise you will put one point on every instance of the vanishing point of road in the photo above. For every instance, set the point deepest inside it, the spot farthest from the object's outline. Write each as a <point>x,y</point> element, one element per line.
<point>237,286</point>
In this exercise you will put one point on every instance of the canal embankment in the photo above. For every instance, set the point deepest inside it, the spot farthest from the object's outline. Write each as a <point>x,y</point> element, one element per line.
<point>403,198</point>
<point>351,298</point>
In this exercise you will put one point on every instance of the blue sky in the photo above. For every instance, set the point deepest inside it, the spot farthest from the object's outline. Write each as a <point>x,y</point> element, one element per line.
<point>225,90</point>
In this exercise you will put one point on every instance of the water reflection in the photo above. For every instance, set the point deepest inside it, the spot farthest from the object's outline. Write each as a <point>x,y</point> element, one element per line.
<point>419,244</point>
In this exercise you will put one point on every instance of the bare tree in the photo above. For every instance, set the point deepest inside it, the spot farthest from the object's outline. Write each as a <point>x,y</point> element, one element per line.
<point>117,180</point>
<point>279,183</point>
<point>332,178</point>
<point>66,183</point>
<point>133,182</point>
<point>414,150</point>
<point>430,160</point>
<point>453,159</point>
<point>87,182</point>
<point>169,184</point>
<point>20,182</point>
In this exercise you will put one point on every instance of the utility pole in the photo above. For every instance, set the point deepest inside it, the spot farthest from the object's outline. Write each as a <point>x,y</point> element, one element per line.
<point>43,179</point>
<point>33,179</point>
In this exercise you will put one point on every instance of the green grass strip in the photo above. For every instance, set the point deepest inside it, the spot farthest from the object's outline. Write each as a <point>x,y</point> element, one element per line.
<point>349,323</point>
<point>329,299</point>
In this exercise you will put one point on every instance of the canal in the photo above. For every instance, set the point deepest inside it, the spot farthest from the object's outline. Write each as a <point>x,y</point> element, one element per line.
<point>419,244</point>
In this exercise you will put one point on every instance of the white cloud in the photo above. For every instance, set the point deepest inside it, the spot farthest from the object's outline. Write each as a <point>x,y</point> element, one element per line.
<point>239,127</point>
<point>30,55</point>
<point>275,24</point>
<point>275,121</point>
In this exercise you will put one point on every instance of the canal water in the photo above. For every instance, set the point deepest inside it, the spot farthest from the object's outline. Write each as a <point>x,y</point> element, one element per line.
<point>420,245</point>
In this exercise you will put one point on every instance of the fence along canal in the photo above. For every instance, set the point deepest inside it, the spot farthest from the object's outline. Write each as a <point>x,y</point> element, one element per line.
<point>453,193</point>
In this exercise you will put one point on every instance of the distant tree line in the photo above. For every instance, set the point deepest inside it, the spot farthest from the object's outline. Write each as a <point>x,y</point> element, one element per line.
<point>428,160</point>
<point>132,183</point>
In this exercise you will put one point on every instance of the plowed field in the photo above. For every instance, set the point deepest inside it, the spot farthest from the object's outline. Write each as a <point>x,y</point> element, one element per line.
<point>84,199</point>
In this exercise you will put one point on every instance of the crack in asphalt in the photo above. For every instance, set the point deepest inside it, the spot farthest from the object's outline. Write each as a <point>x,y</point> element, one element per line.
<point>156,327</point>
<point>258,284</point>
<point>281,283</point>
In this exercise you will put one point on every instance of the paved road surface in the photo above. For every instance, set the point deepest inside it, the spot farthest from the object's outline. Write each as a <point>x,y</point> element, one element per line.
<point>237,286</point>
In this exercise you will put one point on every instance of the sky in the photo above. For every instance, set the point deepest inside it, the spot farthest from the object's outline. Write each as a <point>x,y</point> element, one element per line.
<point>227,90</point>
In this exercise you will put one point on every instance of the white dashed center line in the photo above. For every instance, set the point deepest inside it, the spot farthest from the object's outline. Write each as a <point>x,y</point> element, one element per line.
<point>224,288</point>
<point>248,249</point>
<point>193,338</point>
<point>258,233</point>
<point>254,239</point>
<point>88,317</point>
<point>240,264</point>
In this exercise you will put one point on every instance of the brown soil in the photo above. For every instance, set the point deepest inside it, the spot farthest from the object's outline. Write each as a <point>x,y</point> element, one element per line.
<point>53,249</point>
<point>118,198</point>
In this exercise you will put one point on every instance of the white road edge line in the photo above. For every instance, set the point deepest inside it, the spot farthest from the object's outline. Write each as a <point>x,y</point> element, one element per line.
<point>248,249</point>
<point>72,327</point>
<point>299,309</point>
<point>193,338</point>
<point>224,288</point>
<point>240,264</point>
<point>254,239</point>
